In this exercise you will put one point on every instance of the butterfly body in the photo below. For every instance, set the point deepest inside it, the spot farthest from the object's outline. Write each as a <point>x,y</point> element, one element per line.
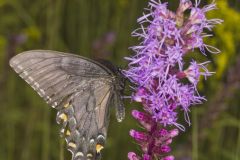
<point>81,90</point>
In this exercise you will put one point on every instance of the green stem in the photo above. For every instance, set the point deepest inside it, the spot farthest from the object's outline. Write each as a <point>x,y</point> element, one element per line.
<point>195,136</point>
<point>238,144</point>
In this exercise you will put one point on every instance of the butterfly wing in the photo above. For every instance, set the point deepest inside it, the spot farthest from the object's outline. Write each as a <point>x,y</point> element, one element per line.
<point>79,88</point>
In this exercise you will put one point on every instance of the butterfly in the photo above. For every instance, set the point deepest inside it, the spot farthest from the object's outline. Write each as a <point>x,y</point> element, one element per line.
<point>81,90</point>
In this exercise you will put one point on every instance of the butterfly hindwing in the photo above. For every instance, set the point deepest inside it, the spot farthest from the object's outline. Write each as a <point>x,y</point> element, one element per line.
<point>87,129</point>
<point>80,89</point>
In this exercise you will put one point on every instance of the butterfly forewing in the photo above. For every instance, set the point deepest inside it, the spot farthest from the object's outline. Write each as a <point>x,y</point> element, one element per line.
<point>79,88</point>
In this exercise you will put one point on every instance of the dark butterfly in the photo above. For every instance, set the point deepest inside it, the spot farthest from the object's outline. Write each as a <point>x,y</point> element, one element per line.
<point>81,90</point>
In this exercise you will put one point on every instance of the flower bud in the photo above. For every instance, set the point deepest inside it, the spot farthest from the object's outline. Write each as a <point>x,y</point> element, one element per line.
<point>168,158</point>
<point>162,149</point>
<point>139,136</point>
<point>146,157</point>
<point>133,156</point>
<point>143,118</point>
<point>174,133</point>
<point>165,149</point>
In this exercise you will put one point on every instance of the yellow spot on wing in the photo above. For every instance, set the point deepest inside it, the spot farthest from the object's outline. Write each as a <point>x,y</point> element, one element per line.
<point>63,116</point>
<point>73,145</point>
<point>99,147</point>
<point>68,133</point>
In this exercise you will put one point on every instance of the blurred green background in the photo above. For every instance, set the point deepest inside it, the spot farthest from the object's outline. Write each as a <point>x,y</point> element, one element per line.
<point>102,28</point>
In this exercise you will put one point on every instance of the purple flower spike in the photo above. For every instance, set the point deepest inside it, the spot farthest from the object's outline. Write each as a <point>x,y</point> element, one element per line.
<point>159,72</point>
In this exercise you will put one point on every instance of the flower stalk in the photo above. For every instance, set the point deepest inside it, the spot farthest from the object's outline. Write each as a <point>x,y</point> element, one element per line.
<point>165,83</point>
